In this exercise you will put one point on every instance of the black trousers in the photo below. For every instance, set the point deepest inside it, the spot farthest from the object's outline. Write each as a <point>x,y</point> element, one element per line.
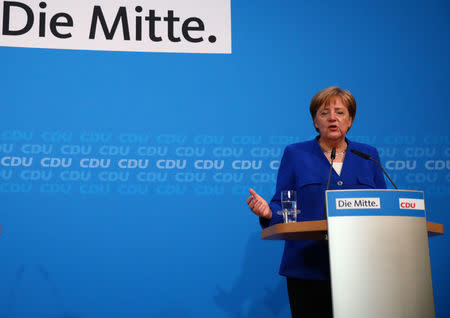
<point>309,298</point>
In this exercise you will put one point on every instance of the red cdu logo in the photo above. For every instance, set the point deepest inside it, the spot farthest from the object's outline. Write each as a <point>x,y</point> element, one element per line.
<point>407,205</point>
<point>412,204</point>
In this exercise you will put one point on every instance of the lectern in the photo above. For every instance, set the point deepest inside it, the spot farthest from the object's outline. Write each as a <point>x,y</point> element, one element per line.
<point>379,256</point>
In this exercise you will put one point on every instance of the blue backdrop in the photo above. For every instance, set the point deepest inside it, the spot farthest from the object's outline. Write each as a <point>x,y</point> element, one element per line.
<point>123,176</point>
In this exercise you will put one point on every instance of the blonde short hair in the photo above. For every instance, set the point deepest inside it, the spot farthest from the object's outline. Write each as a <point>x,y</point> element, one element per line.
<point>326,95</point>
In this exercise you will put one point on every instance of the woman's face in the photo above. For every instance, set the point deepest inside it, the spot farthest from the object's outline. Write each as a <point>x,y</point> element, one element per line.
<point>333,120</point>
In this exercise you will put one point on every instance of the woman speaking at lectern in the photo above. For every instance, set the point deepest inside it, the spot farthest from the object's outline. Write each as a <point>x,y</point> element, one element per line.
<point>305,168</point>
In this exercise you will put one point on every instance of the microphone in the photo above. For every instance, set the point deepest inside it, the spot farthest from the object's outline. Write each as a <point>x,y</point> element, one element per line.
<point>367,157</point>
<point>332,156</point>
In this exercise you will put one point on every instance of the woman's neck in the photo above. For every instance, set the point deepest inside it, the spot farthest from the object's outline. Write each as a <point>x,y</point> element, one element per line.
<point>328,145</point>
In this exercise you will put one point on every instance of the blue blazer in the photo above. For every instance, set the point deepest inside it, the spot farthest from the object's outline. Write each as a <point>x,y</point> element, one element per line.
<point>305,168</point>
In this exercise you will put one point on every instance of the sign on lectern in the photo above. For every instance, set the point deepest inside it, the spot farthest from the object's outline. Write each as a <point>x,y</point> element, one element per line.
<point>379,255</point>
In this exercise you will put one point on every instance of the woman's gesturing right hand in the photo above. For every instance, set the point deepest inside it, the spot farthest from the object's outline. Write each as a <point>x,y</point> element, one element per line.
<point>258,205</point>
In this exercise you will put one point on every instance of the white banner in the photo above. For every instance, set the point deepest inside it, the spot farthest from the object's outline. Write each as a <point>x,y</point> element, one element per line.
<point>194,26</point>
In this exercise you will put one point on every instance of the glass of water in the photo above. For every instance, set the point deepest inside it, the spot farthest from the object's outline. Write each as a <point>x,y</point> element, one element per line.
<point>289,206</point>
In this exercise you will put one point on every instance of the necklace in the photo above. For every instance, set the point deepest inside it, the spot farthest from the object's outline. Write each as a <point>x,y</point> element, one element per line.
<point>337,154</point>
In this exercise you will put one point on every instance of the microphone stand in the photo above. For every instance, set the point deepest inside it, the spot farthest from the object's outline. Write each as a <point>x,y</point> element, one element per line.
<point>367,157</point>
<point>332,156</point>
